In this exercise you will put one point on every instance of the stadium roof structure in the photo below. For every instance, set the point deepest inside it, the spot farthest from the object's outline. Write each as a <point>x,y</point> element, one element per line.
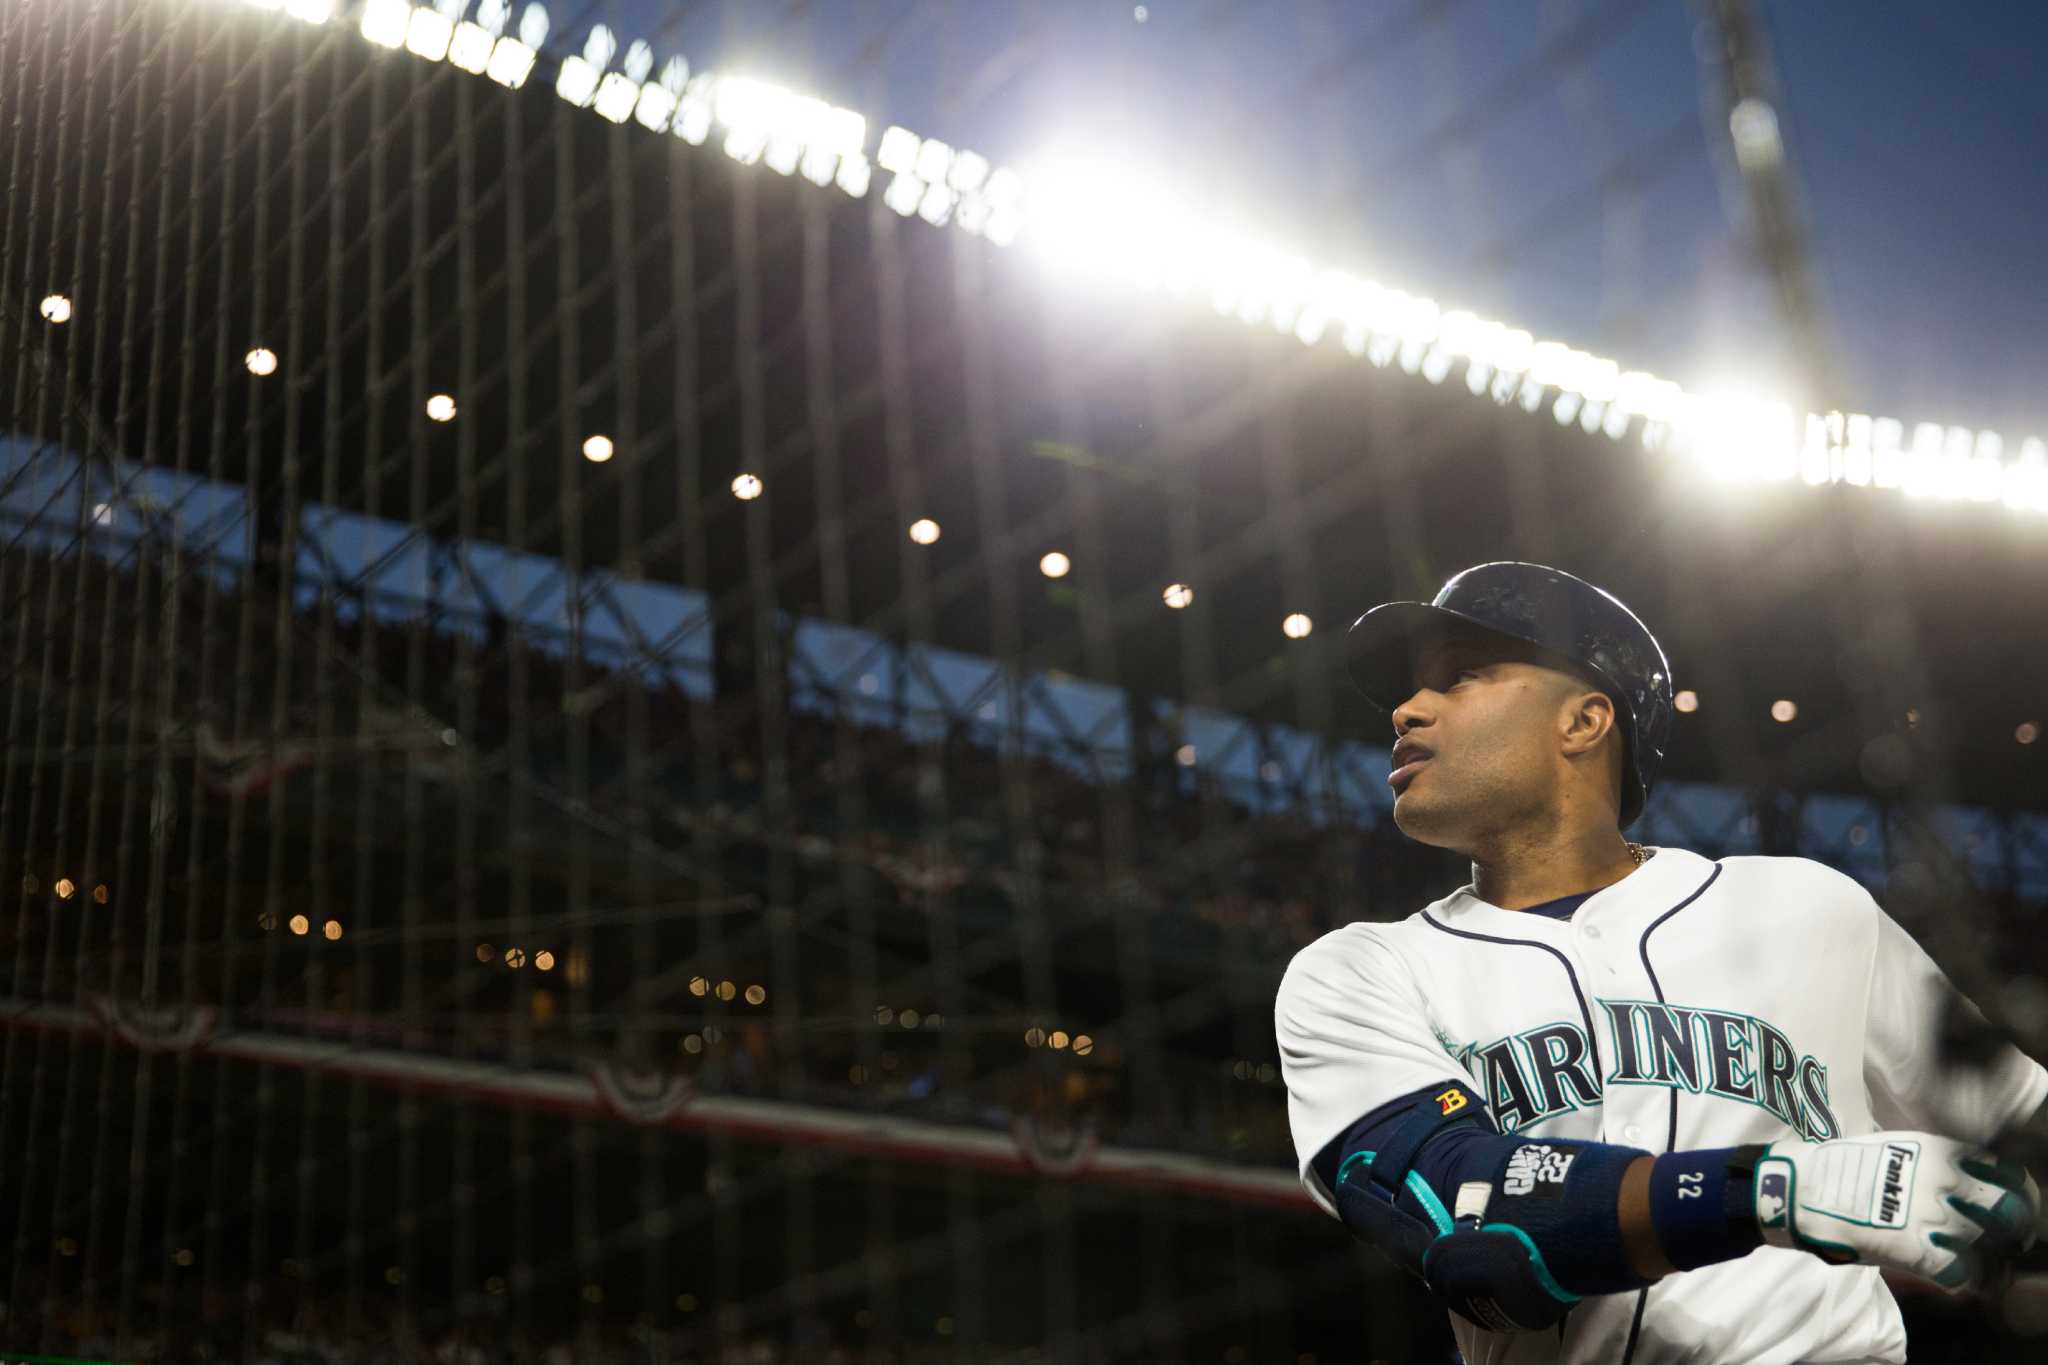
<point>715,315</point>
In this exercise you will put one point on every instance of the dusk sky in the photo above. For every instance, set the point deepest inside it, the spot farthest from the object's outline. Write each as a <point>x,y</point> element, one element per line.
<point>1466,149</point>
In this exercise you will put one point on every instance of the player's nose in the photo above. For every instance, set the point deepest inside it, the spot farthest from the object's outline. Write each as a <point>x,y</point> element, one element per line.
<point>1411,713</point>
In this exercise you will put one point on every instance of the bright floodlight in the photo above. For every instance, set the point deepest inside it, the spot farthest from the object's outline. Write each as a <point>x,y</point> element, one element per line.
<point>1784,709</point>
<point>385,21</point>
<point>746,487</point>
<point>261,361</point>
<point>533,25</point>
<point>1754,126</point>
<point>576,82</point>
<point>1055,564</point>
<point>597,449</point>
<point>657,105</point>
<point>441,407</point>
<point>429,34</point>
<point>470,48</point>
<point>924,530</point>
<point>616,97</point>
<point>1687,700</point>
<point>854,175</point>
<point>1297,626</point>
<point>511,63</point>
<point>1178,595</point>
<point>56,308</point>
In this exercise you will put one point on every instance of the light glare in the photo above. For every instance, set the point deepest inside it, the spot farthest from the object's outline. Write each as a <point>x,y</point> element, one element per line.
<point>1687,700</point>
<point>597,449</point>
<point>1054,564</point>
<point>746,487</point>
<point>385,22</point>
<point>56,309</point>
<point>1784,710</point>
<point>1297,626</point>
<point>429,34</point>
<point>261,361</point>
<point>441,408</point>
<point>924,530</point>
<point>1178,595</point>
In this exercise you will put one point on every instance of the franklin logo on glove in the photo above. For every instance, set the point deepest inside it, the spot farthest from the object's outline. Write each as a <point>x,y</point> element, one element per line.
<point>1896,1189</point>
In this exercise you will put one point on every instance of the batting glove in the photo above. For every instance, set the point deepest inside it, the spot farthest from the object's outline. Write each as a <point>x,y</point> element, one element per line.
<point>1947,1211</point>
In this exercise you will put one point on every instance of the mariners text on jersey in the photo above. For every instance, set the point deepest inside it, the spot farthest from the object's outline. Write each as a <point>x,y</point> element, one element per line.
<point>1548,1070</point>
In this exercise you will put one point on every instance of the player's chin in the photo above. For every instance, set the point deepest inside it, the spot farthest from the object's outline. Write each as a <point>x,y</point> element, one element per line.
<point>1423,820</point>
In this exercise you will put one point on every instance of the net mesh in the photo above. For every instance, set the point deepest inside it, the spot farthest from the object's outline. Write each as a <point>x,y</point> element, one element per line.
<point>628,737</point>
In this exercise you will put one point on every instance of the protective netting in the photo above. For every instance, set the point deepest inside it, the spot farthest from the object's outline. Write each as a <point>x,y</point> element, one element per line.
<point>628,733</point>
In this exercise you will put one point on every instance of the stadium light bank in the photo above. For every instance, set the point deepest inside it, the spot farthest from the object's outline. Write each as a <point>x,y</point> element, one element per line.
<point>1108,225</point>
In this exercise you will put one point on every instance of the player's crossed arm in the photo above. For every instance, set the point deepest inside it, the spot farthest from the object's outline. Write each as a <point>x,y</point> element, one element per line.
<point>1511,1231</point>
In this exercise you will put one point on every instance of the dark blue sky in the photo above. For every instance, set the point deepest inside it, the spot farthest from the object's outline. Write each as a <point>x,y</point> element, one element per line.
<point>1541,161</point>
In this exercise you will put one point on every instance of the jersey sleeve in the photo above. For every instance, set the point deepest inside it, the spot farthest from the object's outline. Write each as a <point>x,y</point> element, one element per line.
<point>1911,1084</point>
<point>1354,1035</point>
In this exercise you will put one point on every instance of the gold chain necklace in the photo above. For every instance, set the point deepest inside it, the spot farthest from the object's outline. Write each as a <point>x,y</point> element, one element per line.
<point>1639,853</point>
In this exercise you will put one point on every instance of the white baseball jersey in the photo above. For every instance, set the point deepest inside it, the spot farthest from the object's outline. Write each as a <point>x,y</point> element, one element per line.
<point>1691,1004</point>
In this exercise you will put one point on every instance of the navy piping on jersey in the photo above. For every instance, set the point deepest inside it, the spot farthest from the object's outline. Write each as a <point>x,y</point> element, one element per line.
<point>1592,1039</point>
<point>1671,1129</point>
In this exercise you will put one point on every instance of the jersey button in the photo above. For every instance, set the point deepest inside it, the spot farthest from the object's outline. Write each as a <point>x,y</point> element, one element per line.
<point>1592,931</point>
<point>1632,1133</point>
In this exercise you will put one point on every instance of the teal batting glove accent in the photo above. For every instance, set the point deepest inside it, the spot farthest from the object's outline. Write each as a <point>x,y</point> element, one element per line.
<point>1439,1216</point>
<point>1961,1270</point>
<point>1543,1275</point>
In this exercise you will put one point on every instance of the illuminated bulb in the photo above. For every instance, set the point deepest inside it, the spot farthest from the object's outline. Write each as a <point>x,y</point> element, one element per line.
<point>1687,700</point>
<point>747,487</point>
<point>756,994</point>
<point>470,48</point>
<point>1058,1040</point>
<point>511,62</point>
<point>1034,1037</point>
<point>385,21</point>
<point>2027,733</point>
<point>597,449</point>
<point>924,530</point>
<point>1055,564</point>
<point>515,958</point>
<point>332,929</point>
<point>261,361</point>
<point>726,990</point>
<point>908,1018</point>
<point>300,924</point>
<point>884,1015</point>
<point>99,893</point>
<point>692,1044</point>
<point>56,309</point>
<point>485,952</point>
<point>1083,1045</point>
<point>698,985</point>
<point>1783,710</point>
<point>1177,595</point>
<point>441,407</point>
<point>64,887</point>
<point>1297,626</point>
<point>429,34</point>
<point>544,961</point>
<point>1185,755</point>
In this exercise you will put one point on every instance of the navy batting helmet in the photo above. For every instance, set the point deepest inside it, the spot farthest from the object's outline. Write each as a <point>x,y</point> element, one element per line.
<point>1548,608</point>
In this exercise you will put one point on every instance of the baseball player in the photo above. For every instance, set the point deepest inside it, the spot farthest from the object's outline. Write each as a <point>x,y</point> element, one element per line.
<point>1616,1103</point>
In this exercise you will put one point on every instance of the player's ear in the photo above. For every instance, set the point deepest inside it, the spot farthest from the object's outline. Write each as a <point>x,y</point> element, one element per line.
<point>1584,719</point>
